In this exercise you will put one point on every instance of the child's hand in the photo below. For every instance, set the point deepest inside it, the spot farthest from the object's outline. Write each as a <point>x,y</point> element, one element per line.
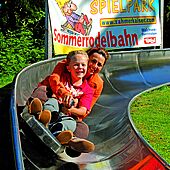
<point>68,101</point>
<point>75,102</point>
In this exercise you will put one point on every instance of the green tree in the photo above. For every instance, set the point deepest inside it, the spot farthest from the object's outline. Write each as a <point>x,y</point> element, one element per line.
<point>21,35</point>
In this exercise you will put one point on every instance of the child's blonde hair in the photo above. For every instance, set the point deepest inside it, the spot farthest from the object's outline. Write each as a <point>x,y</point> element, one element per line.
<point>73,53</point>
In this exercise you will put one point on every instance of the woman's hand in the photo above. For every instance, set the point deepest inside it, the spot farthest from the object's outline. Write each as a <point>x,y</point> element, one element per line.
<point>66,111</point>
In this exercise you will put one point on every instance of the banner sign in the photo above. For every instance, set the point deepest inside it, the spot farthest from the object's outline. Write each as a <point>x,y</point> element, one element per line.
<point>110,24</point>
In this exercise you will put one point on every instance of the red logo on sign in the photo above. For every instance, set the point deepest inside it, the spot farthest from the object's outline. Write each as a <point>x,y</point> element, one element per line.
<point>149,40</point>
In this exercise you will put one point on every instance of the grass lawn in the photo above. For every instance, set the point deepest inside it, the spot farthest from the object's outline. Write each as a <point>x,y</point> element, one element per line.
<point>151,115</point>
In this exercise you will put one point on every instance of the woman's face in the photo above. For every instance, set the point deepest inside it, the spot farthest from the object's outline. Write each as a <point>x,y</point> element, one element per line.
<point>96,63</point>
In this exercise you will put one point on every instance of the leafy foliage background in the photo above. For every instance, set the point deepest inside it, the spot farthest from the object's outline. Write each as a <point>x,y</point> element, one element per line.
<point>22,31</point>
<point>22,34</point>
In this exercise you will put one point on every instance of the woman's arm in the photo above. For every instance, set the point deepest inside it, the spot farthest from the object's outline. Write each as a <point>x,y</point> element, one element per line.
<point>96,83</point>
<point>55,79</point>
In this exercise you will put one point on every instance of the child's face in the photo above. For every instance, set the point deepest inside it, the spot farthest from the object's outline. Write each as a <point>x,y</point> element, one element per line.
<point>78,66</point>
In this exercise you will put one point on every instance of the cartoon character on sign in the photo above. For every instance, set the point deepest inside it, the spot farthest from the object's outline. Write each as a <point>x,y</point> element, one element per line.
<point>79,23</point>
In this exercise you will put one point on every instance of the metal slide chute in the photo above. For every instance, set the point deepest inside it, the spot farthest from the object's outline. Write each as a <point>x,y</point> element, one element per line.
<point>118,144</point>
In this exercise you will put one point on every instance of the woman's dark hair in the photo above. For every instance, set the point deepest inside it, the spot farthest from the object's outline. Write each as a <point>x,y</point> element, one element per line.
<point>101,51</point>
